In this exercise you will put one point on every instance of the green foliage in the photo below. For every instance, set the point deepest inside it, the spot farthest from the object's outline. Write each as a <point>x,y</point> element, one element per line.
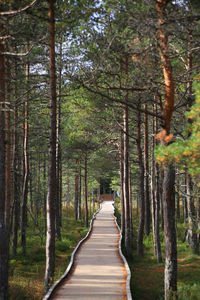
<point>185,152</point>
<point>187,291</point>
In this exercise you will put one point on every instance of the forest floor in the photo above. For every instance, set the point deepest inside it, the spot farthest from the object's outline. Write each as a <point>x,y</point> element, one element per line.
<point>26,273</point>
<point>147,276</point>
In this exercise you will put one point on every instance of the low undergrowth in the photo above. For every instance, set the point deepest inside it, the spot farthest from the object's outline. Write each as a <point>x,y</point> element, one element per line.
<point>26,273</point>
<point>147,276</point>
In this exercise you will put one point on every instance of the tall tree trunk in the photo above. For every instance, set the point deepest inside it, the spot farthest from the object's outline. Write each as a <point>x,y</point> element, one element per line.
<point>86,193</point>
<point>121,150</point>
<point>8,150</point>
<point>58,154</point>
<point>79,193</point>
<point>177,198</point>
<point>169,174</point>
<point>191,233</point>
<point>50,239</point>
<point>192,226</point>
<point>130,198</point>
<point>170,232</point>
<point>4,247</point>
<point>76,189</point>
<point>15,167</point>
<point>25,169</point>
<point>185,207</point>
<point>140,250</point>
<point>146,175</point>
<point>128,222</point>
<point>155,197</point>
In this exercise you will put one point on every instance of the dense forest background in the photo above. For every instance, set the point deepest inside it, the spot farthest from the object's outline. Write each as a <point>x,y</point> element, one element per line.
<point>100,96</point>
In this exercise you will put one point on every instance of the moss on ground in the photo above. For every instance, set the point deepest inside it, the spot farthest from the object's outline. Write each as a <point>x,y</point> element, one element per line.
<point>147,281</point>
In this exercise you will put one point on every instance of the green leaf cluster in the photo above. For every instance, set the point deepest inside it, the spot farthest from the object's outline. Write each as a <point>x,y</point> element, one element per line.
<point>185,152</point>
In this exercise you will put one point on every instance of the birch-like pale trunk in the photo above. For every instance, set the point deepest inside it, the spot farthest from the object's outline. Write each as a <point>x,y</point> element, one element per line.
<point>50,238</point>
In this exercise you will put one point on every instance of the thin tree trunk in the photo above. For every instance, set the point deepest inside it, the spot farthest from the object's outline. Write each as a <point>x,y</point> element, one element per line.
<point>192,226</point>
<point>130,198</point>
<point>15,167</point>
<point>26,170</point>
<point>185,208</point>
<point>146,175</point>
<point>86,192</point>
<point>76,189</point>
<point>79,193</point>
<point>8,150</point>
<point>122,184</point>
<point>177,198</point>
<point>140,250</point>
<point>128,223</point>
<point>58,153</point>
<point>155,196</point>
<point>45,196</point>
<point>4,249</point>
<point>50,239</point>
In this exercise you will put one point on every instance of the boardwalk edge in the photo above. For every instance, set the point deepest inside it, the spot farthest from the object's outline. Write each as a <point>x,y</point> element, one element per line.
<point>64,276</point>
<point>128,290</point>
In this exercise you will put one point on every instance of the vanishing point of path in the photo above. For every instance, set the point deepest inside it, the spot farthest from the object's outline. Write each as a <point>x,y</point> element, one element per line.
<point>99,271</point>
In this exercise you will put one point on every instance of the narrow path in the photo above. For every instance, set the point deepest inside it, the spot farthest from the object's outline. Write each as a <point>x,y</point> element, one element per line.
<point>99,271</point>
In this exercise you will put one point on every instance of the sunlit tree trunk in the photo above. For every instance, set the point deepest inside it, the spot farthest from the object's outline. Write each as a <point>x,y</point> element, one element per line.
<point>169,173</point>
<point>50,239</point>
<point>58,153</point>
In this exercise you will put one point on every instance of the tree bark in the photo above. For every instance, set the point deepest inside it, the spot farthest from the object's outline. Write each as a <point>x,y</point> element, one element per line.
<point>170,232</point>
<point>169,174</point>
<point>86,193</point>
<point>50,239</point>
<point>76,189</point>
<point>128,222</point>
<point>155,197</point>
<point>4,245</point>
<point>25,169</point>
<point>15,167</point>
<point>8,150</point>
<point>146,174</point>
<point>79,193</point>
<point>177,198</point>
<point>121,150</point>
<point>192,226</point>
<point>140,247</point>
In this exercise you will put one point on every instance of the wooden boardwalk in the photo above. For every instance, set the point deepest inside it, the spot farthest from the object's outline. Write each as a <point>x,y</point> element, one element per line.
<point>99,271</point>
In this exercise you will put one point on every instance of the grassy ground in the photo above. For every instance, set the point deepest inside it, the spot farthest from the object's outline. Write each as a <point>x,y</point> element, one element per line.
<point>27,273</point>
<point>147,282</point>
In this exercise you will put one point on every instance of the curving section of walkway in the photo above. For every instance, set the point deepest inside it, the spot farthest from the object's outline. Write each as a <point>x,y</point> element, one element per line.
<point>99,271</point>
